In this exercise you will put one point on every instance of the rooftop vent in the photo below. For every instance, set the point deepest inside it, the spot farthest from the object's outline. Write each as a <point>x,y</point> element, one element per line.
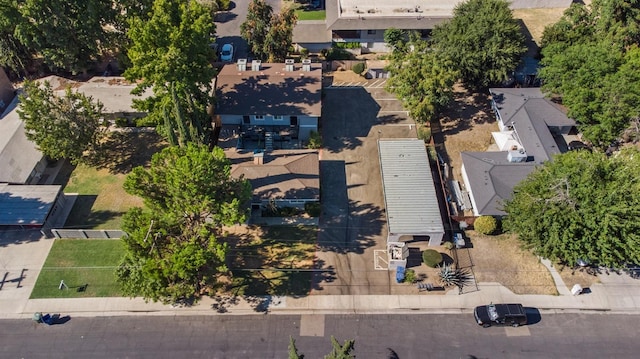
<point>255,65</point>
<point>242,64</point>
<point>288,65</point>
<point>517,156</point>
<point>306,65</point>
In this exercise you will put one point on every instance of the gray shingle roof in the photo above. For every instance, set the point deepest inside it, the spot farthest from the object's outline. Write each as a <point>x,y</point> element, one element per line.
<point>18,155</point>
<point>531,115</point>
<point>492,179</point>
<point>271,91</point>
<point>295,176</point>
<point>311,31</point>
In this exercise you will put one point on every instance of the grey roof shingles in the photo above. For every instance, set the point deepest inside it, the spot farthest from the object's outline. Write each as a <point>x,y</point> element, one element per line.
<point>491,176</point>
<point>295,176</point>
<point>270,91</point>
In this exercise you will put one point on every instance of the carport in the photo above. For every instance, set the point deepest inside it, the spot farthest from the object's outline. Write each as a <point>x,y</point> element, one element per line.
<point>410,196</point>
<point>28,206</point>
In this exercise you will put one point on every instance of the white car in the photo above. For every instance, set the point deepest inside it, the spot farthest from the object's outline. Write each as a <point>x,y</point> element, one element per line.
<point>227,53</point>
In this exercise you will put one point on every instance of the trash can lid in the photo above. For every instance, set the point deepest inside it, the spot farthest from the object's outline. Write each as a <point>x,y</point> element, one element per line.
<point>37,316</point>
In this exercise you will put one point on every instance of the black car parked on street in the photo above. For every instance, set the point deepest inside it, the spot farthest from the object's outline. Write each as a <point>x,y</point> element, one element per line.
<point>500,314</point>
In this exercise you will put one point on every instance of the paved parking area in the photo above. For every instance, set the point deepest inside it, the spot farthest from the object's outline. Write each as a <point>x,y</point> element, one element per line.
<point>353,222</point>
<point>22,254</point>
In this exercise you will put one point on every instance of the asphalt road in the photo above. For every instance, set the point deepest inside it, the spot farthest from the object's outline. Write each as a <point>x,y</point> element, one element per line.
<point>377,336</point>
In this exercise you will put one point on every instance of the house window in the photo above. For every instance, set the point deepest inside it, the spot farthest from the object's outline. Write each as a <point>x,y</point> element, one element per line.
<point>258,117</point>
<point>371,32</point>
<point>277,118</point>
<point>246,120</point>
<point>293,120</point>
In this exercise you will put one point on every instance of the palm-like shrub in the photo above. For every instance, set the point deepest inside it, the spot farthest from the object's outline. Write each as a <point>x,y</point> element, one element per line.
<point>450,276</point>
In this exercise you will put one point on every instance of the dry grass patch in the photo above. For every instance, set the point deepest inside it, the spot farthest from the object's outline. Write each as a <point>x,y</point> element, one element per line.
<point>537,19</point>
<point>501,259</point>
<point>466,126</point>
<point>344,76</point>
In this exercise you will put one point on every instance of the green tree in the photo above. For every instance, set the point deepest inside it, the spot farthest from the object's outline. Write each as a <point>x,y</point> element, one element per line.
<point>395,37</point>
<point>170,53</point>
<point>280,35</point>
<point>483,40</point>
<point>293,350</point>
<point>66,126</point>
<point>256,27</point>
<point>585,57</point>
<point>13,54</point>
<point>422,80</point>
<point>172,251</point>
<point>69,34</point>
<point>580,205</point>
<point>341,351</point>
<point>269,35</point>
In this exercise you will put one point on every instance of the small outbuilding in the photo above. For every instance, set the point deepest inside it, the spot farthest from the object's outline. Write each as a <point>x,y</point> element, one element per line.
<point>411,202</point>
<point>29,206</point>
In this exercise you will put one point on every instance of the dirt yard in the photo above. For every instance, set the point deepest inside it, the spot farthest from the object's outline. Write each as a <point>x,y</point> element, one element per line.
<point>501,259</point>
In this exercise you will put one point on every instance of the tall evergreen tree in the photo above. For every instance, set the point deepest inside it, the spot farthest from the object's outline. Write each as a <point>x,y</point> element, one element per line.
<point>172,248</point>
<point>66,126</point>
<point>269,35</point>
<point>170,53</point>
<point>69,34</point>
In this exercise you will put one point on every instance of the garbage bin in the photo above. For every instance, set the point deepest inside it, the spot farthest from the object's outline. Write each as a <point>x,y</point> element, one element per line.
<point>400,274</point>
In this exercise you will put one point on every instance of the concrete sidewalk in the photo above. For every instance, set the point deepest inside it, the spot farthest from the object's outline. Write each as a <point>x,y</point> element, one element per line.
<point>620,298</point>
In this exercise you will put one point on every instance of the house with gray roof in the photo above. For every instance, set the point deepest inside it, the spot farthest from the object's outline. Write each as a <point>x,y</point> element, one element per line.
<point>21,162</point>
<point>532,130</point>
<point>364,21</point>
<point>286,178</point>
<point>269,98</point>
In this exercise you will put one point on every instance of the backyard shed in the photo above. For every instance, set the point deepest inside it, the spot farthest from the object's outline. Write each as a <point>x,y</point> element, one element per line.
<point>409,192</point>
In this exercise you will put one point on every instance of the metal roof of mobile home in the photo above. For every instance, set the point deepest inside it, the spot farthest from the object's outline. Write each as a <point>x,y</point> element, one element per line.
<point>409,191</point>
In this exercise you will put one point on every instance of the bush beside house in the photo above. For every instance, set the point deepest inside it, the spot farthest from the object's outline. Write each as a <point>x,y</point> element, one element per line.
<point>486,225</point>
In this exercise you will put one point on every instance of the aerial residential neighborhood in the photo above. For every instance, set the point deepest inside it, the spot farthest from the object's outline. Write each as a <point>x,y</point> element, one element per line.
<point>319,178</point>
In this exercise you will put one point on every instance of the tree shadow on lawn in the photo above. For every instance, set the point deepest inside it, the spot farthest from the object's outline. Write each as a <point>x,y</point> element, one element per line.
<point>122,151</point>
<point>81,215</point>
<point>271,261</point>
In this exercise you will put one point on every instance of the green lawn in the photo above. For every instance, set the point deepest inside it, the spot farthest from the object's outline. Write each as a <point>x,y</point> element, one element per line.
<point>79,262</point>
<point>284,257</point>
<point>311,14</point>
<point>102,200</point>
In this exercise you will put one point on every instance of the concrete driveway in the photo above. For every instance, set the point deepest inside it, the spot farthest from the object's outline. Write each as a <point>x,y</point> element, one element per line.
<point>22,254</point>
<point>353,221</point>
